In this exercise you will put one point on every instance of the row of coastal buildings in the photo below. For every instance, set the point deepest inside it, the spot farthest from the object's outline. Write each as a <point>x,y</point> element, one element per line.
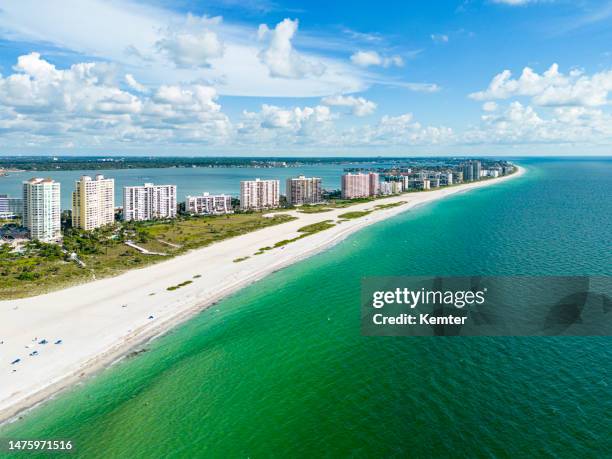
<point>369,184</point>
<point>93,202</point>
<point>93,198</point>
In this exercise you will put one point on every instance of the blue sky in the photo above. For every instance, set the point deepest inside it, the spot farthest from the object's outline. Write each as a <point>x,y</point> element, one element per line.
<point>250,77</point>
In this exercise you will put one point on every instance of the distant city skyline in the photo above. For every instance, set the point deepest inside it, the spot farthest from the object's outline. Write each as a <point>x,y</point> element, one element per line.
<point>260,78</point>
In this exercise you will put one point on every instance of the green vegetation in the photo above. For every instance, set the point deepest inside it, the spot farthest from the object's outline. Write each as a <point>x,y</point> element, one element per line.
<point>341,203</point>
<point>355,214</point>
<point>182,284</point>
<point>316,227</point>
<point>38,267</point>
<point>390,205</point>
<point>262,250</point>
<point>314,209</point>
<point>238,260</point>
<point>305,230</point>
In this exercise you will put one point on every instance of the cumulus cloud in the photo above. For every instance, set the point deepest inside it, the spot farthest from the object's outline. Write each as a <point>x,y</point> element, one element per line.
<point>83,104</point>
<point>314,126</point>
<point>280,126</point>
<point>359,106</point>
<point>520,124</point>
<point>140,28</point>
<point>193,44</point>
<point>403,129</point>
<point>280,57</point>
<point>372,58</point>
<point>551,88</point>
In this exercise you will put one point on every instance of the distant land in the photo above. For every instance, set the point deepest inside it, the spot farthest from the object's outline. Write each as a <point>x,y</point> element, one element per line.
<point>46,163</point>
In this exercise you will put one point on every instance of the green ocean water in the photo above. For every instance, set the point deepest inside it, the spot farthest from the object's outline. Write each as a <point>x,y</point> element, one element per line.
<point>280,369</point>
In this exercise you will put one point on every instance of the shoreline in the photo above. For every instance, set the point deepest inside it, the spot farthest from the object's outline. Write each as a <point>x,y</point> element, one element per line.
<point>101,322</point>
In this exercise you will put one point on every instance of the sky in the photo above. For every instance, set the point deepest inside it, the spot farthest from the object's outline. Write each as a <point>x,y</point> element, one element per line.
<point>288,78</point>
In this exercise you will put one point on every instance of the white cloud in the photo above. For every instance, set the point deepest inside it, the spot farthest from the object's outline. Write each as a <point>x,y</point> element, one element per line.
<point>280,57</point>
<point>82,26</point>
<point>439,38</point>
<point>83,104</point>
<point>403,129</point>
<point>192,44</point>
<point>191,50</point>
<point>372,58</point>
<point>314,126</point>
<point>134,84</point>
<point>278,126</point>
<point>518,124</point>
<point>489,106</point>
<point>551,88</point>
<point>359,106</point>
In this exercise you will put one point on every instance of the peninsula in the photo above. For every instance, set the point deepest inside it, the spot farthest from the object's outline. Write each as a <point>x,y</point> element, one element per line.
<point>51,341</point>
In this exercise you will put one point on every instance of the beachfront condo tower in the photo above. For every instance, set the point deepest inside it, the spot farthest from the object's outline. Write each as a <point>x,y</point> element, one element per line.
<point>209,204</point>
<point>149,202</point>
<point>41,209</point>
<point>259,194</point>
<point>360,185</point>
<point>93,202</point>
<point>303,190</point>
<point>471,171</point>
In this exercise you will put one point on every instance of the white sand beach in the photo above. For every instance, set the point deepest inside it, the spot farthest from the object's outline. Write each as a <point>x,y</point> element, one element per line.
<point>100,321</point>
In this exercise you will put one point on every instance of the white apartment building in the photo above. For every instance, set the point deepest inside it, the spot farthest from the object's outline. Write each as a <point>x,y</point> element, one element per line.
<point>396,187</point>
<point>304,190</point>
<point>41,209</point>
<point>259,194</point>
<point>446,178</point>
<point>149,201</point>
<point>209,204</point>
<point>392,187</point>
<point>93,202</point>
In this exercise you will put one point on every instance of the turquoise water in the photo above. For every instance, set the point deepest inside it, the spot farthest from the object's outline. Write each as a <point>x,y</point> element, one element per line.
<point>280,369</point>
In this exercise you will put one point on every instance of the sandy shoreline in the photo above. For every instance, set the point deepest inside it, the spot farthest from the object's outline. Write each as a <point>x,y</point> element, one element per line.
<point>101,321</point>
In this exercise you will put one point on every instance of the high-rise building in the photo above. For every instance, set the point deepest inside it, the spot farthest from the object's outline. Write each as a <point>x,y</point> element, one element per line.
<point>209,204</point>
<point>259,194</point>
<point>385,188</point>
<point>396,187</point>
<point>446,178</point>
<point>149,201</point>
<point>41,209</point>
<point>468,172</point>
<point>476,168</point>
<point>303,190</point>
<point>10,207</point>
<point>471,171</point>
<point>374,183</point>
<point>360,185</point>
<point>355,186</point>
<point>93,202</point>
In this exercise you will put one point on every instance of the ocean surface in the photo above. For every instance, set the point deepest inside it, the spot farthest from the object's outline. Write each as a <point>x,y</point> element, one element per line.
<point>280,369</point>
